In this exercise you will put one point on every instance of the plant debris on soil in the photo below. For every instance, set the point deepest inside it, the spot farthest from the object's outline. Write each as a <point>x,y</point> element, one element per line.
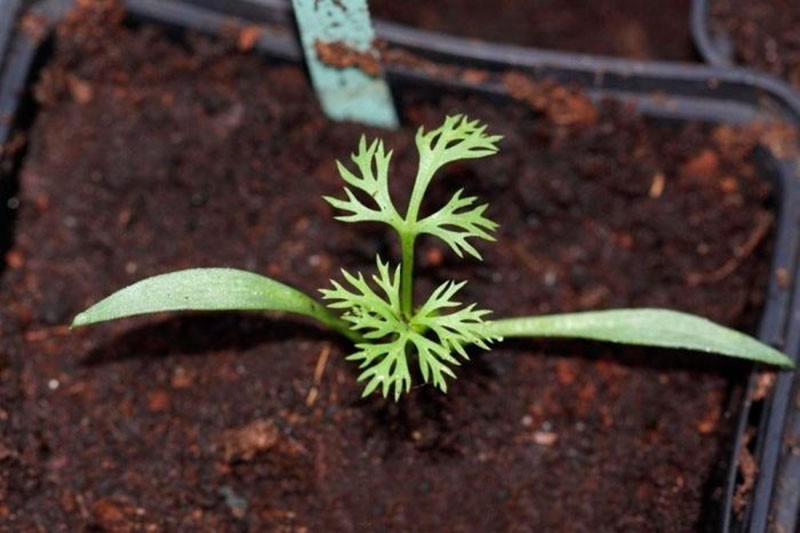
<point>164,154</point>
<point>765,34</point>
<point>628,28</point>
<point>340,55</point>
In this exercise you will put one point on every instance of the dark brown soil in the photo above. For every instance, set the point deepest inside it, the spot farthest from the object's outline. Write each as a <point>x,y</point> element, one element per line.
<point>628,28</point>
<point>765,33</point>
<point>148,156</point>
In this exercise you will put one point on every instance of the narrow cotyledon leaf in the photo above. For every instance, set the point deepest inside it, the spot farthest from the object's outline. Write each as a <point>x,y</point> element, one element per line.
<point>645,327</point>
<point>208,289</point>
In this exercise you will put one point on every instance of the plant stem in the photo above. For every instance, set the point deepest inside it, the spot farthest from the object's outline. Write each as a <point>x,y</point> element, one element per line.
<point>320,313</point>
<point>408,236</point>
<point>407,274</point>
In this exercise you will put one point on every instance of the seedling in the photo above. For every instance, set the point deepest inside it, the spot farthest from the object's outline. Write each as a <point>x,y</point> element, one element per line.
<point>378,314</point>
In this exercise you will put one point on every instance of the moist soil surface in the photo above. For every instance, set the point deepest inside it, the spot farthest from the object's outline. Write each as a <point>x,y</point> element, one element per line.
<point>149,155</point>
<point>764,34</point>
<point>628,28</point>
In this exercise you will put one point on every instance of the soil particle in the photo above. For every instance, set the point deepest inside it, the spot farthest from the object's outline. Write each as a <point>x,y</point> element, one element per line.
<point>245,443</point>
<point>748,470</point>
<point>35,26</point>
<point>563,106</point>
<point>248,37</point>
<point>765,381</point>
<point>114,515</point>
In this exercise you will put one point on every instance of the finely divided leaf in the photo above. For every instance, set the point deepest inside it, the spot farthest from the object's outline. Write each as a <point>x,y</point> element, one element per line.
<point>434,337</point>
<point>457,329</point>
<point>458,138</point>
<point>378,317</point>
<point>370,313</point>
<point>205,289</point>
<point>646,327</point>
<point>453,331</point>
<point>372,179</point>
<point>458,221</point>
<point>435,361</point>
<point>384,365</point>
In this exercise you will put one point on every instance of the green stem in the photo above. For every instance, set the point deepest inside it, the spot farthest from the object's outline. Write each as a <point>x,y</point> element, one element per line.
<point>407,274</point>
<point>408,236</point>
<point>321,314</point>
<point>424,175</point>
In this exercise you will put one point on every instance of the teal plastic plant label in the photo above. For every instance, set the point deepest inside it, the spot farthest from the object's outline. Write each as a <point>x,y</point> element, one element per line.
<point>337,38</point>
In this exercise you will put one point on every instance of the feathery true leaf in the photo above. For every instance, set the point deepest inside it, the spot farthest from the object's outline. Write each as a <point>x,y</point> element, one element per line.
<point>457,138</point>
<point>460,219</point>
<point>435,338</point>
<point>372,179</point>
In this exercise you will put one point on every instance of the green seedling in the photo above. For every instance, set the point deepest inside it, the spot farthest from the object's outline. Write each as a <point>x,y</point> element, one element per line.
<point>378,313</point>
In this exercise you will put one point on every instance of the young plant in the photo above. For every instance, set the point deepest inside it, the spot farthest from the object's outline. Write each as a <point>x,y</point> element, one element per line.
<point>378,313</point>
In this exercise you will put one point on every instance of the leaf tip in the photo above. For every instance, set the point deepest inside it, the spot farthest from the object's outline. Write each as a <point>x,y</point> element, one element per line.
<point>784,362</point>
<point>80,320</point>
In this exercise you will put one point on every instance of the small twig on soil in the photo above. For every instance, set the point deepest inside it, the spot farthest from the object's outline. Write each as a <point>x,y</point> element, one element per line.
<point>739,254</point>
<point>527,259</point>
<point>319,370</point>
<point>657,186</point>
<point>82,509</point>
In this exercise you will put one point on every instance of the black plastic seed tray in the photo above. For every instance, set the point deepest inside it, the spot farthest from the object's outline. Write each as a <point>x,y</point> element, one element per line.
<point>660,90</point>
